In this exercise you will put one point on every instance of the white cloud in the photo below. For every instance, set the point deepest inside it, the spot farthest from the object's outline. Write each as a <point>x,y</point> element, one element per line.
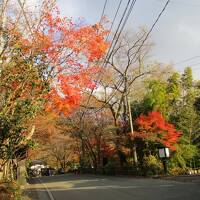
<point>190,33</point>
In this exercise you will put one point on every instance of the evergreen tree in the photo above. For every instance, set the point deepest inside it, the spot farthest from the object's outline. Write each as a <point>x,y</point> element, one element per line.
<point>187,119</point>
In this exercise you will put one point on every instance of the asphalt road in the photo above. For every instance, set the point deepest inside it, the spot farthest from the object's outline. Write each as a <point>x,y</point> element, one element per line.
<point>89,187</point>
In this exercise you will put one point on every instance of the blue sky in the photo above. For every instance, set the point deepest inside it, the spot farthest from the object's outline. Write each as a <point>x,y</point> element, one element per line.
<point>176,36</point>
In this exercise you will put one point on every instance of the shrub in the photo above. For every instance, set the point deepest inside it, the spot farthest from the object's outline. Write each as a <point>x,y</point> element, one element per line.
<point>152,166</point>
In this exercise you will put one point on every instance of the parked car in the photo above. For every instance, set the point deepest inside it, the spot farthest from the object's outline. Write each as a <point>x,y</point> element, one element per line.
<point>35,169</point>
<point>61,171</point>
<point>48,171</point>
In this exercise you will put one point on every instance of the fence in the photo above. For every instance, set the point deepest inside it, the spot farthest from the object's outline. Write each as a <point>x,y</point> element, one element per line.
<point>194,171</point>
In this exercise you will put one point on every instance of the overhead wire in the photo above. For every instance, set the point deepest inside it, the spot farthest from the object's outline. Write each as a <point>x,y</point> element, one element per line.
<point>120,27</point>
<point>115,16</point>
<point>110,51</point>
<point>146,37</point>
<point>103,11</point>
<point>151,29</point>
<point>112,48</point>
<point>124,18</point>
<point>100,21</point>
<point>123,25</point>
<point>185,60</point>
<point>193,65</point>
<point>116,32</point>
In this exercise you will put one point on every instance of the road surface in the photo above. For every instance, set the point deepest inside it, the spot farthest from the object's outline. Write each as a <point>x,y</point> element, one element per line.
<point>90,187</point>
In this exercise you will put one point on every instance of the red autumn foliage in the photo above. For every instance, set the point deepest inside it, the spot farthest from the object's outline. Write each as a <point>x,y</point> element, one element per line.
<point>68,52</point>
<point>83,46</point>
<point>153,127</point>
<point>108,150</point>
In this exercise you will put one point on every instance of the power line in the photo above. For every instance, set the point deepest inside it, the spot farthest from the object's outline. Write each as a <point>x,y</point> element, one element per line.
<point>188,59</point>
<point>116,32</point>
<point>121,25</point>
<point>152,27</point>
<point>126,19</point>
<point>115,16</point>
<point>109,54</point>
<point>146,37</point>
<point>182,3</point>
<point>193,65</point>
<point>103,11</point>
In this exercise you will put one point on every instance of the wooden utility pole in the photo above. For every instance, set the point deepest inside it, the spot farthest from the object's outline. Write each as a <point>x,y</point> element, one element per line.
<point>131,124</point>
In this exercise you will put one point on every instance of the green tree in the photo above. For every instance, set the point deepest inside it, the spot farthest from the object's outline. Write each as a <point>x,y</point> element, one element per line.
<point>177,99</point>
<point>21,89</point>
<point>173,88</point>
<point>156,97</point>
<point>187,79</point>
<point>187,119</point>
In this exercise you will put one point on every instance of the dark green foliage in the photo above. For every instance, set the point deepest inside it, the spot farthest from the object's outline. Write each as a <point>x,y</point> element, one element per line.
<point>156,97</point>
<point>187,79</point>
<point>178,100</point>
<point>197,104</point>
<point>152,165</point>
<point>173,89</point>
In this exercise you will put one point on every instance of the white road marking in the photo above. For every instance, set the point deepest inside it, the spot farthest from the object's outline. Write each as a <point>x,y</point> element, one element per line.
<point>167,185</point>
<point>47,190</point>
<point>107,187</point>
<point>97,187</point>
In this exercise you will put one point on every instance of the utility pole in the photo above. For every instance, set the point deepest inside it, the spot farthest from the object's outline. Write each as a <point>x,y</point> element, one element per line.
<point>131,124</point>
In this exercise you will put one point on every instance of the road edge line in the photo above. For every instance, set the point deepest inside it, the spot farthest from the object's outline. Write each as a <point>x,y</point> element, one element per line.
<point>47,190</point>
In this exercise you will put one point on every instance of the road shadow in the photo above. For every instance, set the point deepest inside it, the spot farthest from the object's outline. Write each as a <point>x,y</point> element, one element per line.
<point>102,187</point>
<point>64,177</point>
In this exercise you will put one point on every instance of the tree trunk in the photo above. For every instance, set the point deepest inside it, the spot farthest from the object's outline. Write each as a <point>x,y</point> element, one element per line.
<point>8,171</point>
<point>21,173</point>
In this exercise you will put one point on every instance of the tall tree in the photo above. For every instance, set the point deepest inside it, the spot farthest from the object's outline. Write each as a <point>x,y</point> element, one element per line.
<point>156,97</point>
<point>187,119</point>
<point>125,65</point>
<point>47,66</point>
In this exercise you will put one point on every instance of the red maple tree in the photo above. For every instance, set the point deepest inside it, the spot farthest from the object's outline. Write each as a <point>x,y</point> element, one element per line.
<point>69,54</point>
<point>76,64</point>
<point>153,127</point>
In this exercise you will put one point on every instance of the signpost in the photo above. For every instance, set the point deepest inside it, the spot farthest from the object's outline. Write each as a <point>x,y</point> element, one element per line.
<point>164,154</point>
